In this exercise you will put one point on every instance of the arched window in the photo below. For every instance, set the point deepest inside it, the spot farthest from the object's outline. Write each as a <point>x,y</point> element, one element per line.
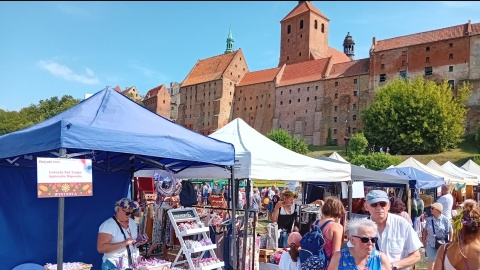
<point>316,24</point>
<point>289,29</point>
<point>301,24</point>
<point>323,28</point>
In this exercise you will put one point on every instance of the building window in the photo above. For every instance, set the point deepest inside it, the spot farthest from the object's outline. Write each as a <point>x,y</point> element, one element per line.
<point>354,130</point>
<point>323,28</point>
<point>382,66</point>
<point>403,63</point>
<point>298,100</point>
<point>450,56</point>
<point>450,45</point>
<point>315,97</point>
<point>308,88</point>
<point>308,99</point>
<point>427,59</point>
<point>289,29</point>
<point>335,119</point>
<point>354,106</point>
<point>335,108</point>
<point>281,93</point>
<point>281,102</point>
<point>288,58</point>
<point>428,71</point>
<point>450,69</point>
<point>301,24</point>
<point>427,49</point>
<point>354,117</point>
<point>355,93</point>
<point>336,95</point>
<point>336,84</point>
<point>404,52</point>
<point>299,54</point>
<point>403,74</point>
<point>383,77</point>
<point>315,24</point>
<point>290,91</point>
<point>354,81</point>
<point>290,101</point>
<point>382,56</point>
<point>334,131</point>
<point>452,83</point>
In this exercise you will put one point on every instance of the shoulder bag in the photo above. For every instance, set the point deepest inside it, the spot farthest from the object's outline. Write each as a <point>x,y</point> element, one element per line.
<point>438,241</point>
<point>127,247</point>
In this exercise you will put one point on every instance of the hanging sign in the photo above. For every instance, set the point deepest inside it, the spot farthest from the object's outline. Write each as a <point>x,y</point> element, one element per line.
<point>62,177</point>
<point>269,183</point>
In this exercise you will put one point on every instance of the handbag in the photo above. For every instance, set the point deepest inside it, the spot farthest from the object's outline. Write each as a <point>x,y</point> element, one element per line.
<point>283,239</point>
<point>127,247</point>
<point>438,241</point>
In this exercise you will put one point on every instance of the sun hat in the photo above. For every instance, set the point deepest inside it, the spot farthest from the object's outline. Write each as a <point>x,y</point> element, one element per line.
<point>437,206</point>
<point>127,204</point>
<point>376,195</point>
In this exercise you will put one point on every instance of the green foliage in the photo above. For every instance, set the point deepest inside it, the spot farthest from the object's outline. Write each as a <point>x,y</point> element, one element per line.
<point>476,159</point>
<point>330,141</point>
<point>299,146</point>
<point>357,146</point>
<point>11,121</point>
<point>376,161</point>
<point>477,138</point>
<point>417,116</point>
<point>281,137</point>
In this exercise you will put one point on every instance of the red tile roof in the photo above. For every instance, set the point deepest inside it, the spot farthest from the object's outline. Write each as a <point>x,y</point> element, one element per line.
<point>307,71</point>
<point>266,75</point>
<point>338,56</point>
<point>304,6</point>
<point>425,37</point>
<point>351,68</point>
<point>154,91</point>
<point>118,89</point>
<point>125,92</point>
<point>209,69</point>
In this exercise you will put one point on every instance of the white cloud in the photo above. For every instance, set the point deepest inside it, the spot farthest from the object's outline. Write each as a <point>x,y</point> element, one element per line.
<point>150,73</point>
<point>460,4</point>
<point>66,73</point>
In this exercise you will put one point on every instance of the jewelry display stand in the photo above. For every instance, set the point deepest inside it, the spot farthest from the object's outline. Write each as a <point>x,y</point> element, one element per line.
<point>178,216</point>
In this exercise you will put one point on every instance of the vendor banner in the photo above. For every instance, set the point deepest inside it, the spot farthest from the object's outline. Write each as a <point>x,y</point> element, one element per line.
<point>61,177</point>
<point>269,183</point>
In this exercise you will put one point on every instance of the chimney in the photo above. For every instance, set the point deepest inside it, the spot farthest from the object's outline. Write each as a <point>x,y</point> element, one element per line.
<point>374,41</point>
<point>469,27</point>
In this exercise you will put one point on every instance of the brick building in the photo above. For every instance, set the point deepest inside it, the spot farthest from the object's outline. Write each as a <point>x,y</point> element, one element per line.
<point>157,100</point>
<point>316,88</point>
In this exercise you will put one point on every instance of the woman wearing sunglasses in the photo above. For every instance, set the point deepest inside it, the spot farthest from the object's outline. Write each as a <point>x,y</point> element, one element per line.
<point>116,237</point>
<point>437,226</point>
<point>362,234</point>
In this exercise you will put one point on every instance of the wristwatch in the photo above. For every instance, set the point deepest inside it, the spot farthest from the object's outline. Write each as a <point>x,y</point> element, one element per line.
<point>394,267</point>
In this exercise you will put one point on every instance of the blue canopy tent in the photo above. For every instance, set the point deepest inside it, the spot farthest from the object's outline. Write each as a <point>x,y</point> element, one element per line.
<point>417,178</point>
<point>120,137</point>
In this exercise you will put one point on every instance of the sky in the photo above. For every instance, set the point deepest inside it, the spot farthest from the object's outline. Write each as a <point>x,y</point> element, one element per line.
<point>50,49</point>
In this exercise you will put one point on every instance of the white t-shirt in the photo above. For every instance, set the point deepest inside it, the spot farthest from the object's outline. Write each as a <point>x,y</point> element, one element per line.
<point>286,262</point>
<point>447,203</point>
<point>111,227</point>
<point>270,193</point>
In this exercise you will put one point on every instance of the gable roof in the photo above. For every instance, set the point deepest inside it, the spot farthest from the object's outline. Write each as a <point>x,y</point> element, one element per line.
<point>266,75</point>
<point>426,37</point>
<point>352,68</point>
<point>338,56</point>
<point>304,6</point>
<point>209,69</point>
<point>154,91</point>
<point>118,89</point>
<point>307,71</point>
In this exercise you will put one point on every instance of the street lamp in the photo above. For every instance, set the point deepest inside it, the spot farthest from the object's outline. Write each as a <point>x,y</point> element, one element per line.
<point>346,138</point>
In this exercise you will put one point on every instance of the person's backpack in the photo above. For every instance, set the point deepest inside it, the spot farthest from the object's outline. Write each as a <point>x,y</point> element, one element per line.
<point>312,254</point>
<point>188,195</point>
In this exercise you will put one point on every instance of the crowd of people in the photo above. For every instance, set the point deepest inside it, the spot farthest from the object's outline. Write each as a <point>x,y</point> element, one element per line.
<point>384,240</point>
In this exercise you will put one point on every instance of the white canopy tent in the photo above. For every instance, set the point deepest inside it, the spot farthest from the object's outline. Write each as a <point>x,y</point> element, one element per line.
<point>472,167</point>
<point>473,178</point>
<point>336,156</point>
<point>412,162</point>
<point>461,180</point>
<point>258,157</point>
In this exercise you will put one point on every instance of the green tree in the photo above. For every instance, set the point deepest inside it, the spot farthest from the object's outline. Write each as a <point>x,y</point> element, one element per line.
<point>358,145</point>
<point>299,145</point>
<point>376,161</point>
<point>477,138</point>
<point>417,116</point>
<point>281,137</point>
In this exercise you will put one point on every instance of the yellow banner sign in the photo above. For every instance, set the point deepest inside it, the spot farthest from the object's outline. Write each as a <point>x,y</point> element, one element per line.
<point>269,183</point>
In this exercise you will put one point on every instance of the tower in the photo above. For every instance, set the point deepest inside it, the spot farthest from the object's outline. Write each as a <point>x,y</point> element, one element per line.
<point>229,41</point>
<point>304,34</point>
<point>348,46</point>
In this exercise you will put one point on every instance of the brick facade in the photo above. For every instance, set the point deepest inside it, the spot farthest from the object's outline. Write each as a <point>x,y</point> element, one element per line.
<point>157,100</point>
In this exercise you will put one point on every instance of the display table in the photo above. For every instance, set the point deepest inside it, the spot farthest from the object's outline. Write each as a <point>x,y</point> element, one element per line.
<point>268,266</point>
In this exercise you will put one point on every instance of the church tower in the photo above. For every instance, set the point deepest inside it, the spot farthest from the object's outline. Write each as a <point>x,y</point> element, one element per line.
<point>304,34</point>
<point>229,41</point>
<point>348,46</point>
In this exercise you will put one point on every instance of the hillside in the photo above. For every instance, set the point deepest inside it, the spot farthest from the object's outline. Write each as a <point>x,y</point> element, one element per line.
<point>458,156</point>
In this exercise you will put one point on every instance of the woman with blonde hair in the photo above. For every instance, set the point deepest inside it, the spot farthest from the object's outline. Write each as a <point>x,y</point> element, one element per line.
<point>284,212</point>
<point>464,251</point>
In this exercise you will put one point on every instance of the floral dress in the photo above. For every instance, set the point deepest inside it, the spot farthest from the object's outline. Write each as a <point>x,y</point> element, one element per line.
<point>347,262</point>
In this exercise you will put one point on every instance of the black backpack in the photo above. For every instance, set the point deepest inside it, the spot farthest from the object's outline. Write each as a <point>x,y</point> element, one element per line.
<point>188,195</point>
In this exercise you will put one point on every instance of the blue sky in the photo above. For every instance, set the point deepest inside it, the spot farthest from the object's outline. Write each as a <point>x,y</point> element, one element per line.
<point>52,49</point>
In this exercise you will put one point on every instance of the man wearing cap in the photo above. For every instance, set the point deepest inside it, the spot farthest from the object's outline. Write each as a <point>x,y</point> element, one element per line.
<point>447,202</point>
<point>396,238</point>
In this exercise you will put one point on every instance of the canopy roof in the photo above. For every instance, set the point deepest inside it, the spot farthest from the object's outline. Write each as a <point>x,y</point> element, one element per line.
<point>463,180</point>
<point>258,157</point>
<point>116,133</point>
<point>423,180</point>
<point>412,162</point>
<point>472,167</point>
<point>364,174</point>
<point>449,166</point>
<point>336,156</point>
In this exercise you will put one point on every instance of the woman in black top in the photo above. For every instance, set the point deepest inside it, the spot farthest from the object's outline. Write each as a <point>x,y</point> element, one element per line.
<point>284,212</point>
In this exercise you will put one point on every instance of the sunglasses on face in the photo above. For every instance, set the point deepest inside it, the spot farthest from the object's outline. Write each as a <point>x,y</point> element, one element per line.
<point>127,213</point>
<point>382,204</point>
<point>366,239</point>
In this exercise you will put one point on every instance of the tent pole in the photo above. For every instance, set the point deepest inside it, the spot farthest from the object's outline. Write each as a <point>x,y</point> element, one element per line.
<point>233,198</point>
<point>350,195</point>
<point>245,225</point>
<point>61,219</point>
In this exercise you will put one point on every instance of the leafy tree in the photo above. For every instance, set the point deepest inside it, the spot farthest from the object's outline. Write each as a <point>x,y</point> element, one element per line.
<point>299,146</point>
<point>376,161</point>
<point>477,138</point>
<point>417,116</point>
<point>358,145</point>
<point>281,137</point>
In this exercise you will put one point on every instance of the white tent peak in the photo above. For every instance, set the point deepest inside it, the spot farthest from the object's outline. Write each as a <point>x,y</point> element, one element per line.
<point>449,166</point>
<point>336,156</point>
